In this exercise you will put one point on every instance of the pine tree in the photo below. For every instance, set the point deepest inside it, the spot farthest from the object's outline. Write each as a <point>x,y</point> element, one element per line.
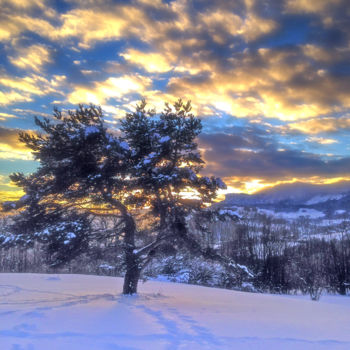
<point>151,164</point>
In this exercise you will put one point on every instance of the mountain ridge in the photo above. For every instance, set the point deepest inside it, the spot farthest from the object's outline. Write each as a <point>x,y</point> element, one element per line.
<point>297,192</point>
<point>330,199</point>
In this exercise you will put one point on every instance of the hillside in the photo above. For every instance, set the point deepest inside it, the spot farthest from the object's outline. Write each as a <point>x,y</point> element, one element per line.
<point>87,312</point>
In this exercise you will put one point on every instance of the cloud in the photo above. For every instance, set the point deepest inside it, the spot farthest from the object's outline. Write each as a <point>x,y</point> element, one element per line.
<point>32,57</point>
<point>332,17</point>
<point>321,125</point>
<point>10,195</point>
<point>113,87</point>
<point>203,43</point>
<point>107,25</point>
<point>23,89</point>
<point>315,6</point>
<point>255,154</point>
<point>221,24</point>
<point>321,140</point>
<point>112,22</point>
<point>276,83</point>
<point>10,147</point>
<point>4,116</point>
<point>282,65</point>
<point>151,62</point>
<point>24,4</point>
<point>319,53</point>
<point>19,16</point>
<point>12,97</point>
<point>12,25</point>
<point>154,22</point>
<point>28,84</point>
<point>255,26</point>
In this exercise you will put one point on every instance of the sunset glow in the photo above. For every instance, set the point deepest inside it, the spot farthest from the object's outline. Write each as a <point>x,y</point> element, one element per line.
<point>269,79</point>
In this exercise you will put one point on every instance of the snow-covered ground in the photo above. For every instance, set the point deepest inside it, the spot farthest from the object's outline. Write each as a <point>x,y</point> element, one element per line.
<point>55,312</point>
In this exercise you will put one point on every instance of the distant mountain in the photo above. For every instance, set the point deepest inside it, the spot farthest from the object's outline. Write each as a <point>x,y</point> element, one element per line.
<point>328,199</point>
<point>296,193</point>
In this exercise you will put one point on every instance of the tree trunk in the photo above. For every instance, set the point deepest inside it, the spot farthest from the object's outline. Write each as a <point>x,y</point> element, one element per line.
<point>133,268</point>
<point>132,275</point>
<point>342,289</point>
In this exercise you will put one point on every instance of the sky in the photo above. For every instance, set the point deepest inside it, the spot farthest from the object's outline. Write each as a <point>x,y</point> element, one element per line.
<point>270,79</point>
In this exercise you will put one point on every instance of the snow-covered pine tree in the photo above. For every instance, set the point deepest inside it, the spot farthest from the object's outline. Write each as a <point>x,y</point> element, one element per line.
<point>86,170</point>
<point>166,164</point>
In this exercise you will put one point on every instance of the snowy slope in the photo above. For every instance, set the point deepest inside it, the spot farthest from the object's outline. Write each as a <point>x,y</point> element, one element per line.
<point>67,312</point>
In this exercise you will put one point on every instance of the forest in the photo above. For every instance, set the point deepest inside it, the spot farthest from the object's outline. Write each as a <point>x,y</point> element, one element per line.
<point>284,257</point>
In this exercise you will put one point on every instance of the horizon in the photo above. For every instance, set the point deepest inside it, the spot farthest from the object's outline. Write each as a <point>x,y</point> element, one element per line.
<point>270,80</point>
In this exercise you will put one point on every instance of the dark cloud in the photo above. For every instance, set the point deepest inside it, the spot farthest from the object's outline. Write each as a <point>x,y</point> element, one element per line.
<point>251,155</point>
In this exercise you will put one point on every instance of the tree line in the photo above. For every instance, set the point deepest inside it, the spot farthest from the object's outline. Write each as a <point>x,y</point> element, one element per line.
<point>280,257</point>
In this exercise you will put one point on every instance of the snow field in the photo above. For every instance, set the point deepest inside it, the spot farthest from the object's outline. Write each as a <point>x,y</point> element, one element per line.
<point>55,312</point>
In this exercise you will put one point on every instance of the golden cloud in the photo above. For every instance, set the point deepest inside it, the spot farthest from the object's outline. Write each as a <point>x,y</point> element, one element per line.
<point>314,6</point>
<point>229,22</point>
<point>113,87</point>
<point>10,195</point>
<point>110,22</point>
<point>99,21</point>
<point>4,116</point>
<point>151,62</point>
<point>18,16</point>
<point>267,84</point>
<point>12,97</point>
<point>10,152</point>
<point>22,89</point>
<point>106,25</point>
<point>281,84</point>
<point>320,125</point>
<point>12,25</point>
<point>33,57</point>
<point>29,84</point>
<point>9,29</point>
<point>10,147</point>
